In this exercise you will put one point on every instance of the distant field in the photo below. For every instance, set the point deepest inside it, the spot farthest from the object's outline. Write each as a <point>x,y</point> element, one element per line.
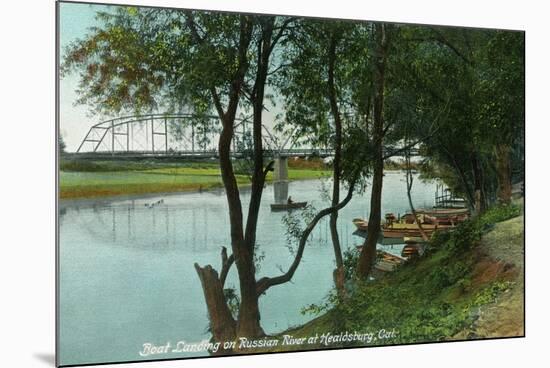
<point>100,179</point>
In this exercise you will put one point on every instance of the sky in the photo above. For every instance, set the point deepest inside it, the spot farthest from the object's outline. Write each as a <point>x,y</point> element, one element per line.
<point>75,21</point>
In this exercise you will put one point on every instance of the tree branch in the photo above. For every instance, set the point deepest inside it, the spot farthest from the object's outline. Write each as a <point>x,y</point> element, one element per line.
<point>266,282</point>
<point>280,33</point>
<point>268,168</point>
<point>200,41</point>
<point>410,145</point>
<point>443,40</point>
<point>227,262</point>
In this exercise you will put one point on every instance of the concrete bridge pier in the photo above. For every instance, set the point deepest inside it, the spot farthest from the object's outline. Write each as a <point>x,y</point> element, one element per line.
<point>280,179</point>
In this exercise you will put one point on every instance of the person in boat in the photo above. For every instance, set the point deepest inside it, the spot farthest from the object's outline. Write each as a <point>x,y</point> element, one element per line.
<point>289,200</point>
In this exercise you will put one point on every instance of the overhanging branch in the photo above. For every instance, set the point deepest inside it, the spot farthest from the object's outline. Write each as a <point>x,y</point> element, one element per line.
<point>266,282</point>
<point>227,262</point>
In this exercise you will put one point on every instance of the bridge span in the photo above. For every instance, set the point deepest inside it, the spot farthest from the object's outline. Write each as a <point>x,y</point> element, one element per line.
<point>185,136</point>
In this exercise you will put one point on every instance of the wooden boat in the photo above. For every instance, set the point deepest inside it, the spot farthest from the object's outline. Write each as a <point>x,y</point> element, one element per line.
<point>400,234</point>
<point>413,240</point>
<point>381,239</point>
<point>411,251</point>
<point>360,224</point>
<point>424,218</point>
<point>444,212</point>
<point>287,206</point>
<point>388,262</point>
<point>401,230</point>
<point>451,220</point>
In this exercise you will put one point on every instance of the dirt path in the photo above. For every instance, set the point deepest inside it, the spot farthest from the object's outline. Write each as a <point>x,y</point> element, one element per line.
<point>504,247</point>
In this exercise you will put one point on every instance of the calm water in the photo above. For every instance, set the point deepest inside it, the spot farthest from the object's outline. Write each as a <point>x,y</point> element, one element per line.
<point>127,275</point>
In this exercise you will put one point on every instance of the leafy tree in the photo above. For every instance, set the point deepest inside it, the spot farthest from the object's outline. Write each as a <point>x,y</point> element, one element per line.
<point>61,144</point>
<point>141,59</point>
<point>502,98</point>
<point>457,69</point>
<point>361,89</point>
<point>321,60</point>
<point>382,38</point>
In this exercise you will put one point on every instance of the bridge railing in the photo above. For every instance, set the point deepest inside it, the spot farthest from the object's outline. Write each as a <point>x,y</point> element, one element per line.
<point>118,138</point>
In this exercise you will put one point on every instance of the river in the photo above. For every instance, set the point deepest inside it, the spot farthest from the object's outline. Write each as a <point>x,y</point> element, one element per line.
<point>126,270</point>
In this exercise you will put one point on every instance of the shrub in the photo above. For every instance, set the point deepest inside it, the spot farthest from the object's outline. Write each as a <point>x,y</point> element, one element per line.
<point>449,274</point>
<point>499,214</point>
<point>490,293</point>
<point>464,237</point>
<point>351,257</point>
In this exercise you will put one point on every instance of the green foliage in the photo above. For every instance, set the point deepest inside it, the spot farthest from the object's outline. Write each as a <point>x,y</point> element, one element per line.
<point>317,309</point>
<point>351,258</point>
<point>449,274</point>
<point>233,300</point>
<point>259,256</point>
<point>295,222</point>
<point>467,234</point>
<point>490,293</point>
<point>61,144</point>
<point>501,86</point>
<point>438,240</point>
<point>464,237</point>
<point>409,307</point>
<point>468,85</point>
<point>499,213</point>
<point>244,144</point>
<point>75,165</point>
<point>430,300</point>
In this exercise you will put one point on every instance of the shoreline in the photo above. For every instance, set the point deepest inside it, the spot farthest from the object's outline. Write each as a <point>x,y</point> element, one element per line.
<point>196,188</point>
<point>217,190</point>
<point>496,315</point>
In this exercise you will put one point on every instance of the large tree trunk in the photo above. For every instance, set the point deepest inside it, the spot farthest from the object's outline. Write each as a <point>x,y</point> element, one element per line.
<point>222,324</point>
<point>338,273</point>
<point>248,323</point>
<point>479,189</point>
<point>410,180</point>
<point>243,251</point>
<point>504,170</point>
<point>368,252</point>
<point>452,161</point>
<point>249,313</point>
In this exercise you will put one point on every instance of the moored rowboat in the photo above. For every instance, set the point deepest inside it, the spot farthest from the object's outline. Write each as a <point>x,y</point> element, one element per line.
<point>388,262</point>
<point>287,206</point>
<point>400,230</point>
<point>444,212</point>
<point>360,224</point>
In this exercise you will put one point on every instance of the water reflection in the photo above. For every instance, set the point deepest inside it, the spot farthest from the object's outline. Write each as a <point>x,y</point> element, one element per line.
<point>126,266</point>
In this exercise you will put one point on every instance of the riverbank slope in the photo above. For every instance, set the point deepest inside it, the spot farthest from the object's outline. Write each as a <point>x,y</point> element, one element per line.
<point>470,285</point>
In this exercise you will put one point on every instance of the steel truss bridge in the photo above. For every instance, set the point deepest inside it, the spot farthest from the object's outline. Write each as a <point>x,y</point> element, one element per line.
<point>184,136</point>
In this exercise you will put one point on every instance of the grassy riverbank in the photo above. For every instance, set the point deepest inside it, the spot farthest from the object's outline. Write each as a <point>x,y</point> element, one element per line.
<point>89,179</point>
<point>469,285</point>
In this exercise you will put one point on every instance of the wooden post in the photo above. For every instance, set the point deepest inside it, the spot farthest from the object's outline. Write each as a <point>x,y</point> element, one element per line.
<point>112,138</point>
<point>152,134</point>
<point>193,136</point>
<point>165,135</point>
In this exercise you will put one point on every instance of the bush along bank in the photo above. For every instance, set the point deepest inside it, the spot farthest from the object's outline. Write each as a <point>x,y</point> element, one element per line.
<point>434,298</point>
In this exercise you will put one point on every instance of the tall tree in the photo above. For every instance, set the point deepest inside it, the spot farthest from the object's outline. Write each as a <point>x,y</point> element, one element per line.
<point>143,59</point>
<point>321,60</point>
<point>368,252</point>
<point>501,93</point>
